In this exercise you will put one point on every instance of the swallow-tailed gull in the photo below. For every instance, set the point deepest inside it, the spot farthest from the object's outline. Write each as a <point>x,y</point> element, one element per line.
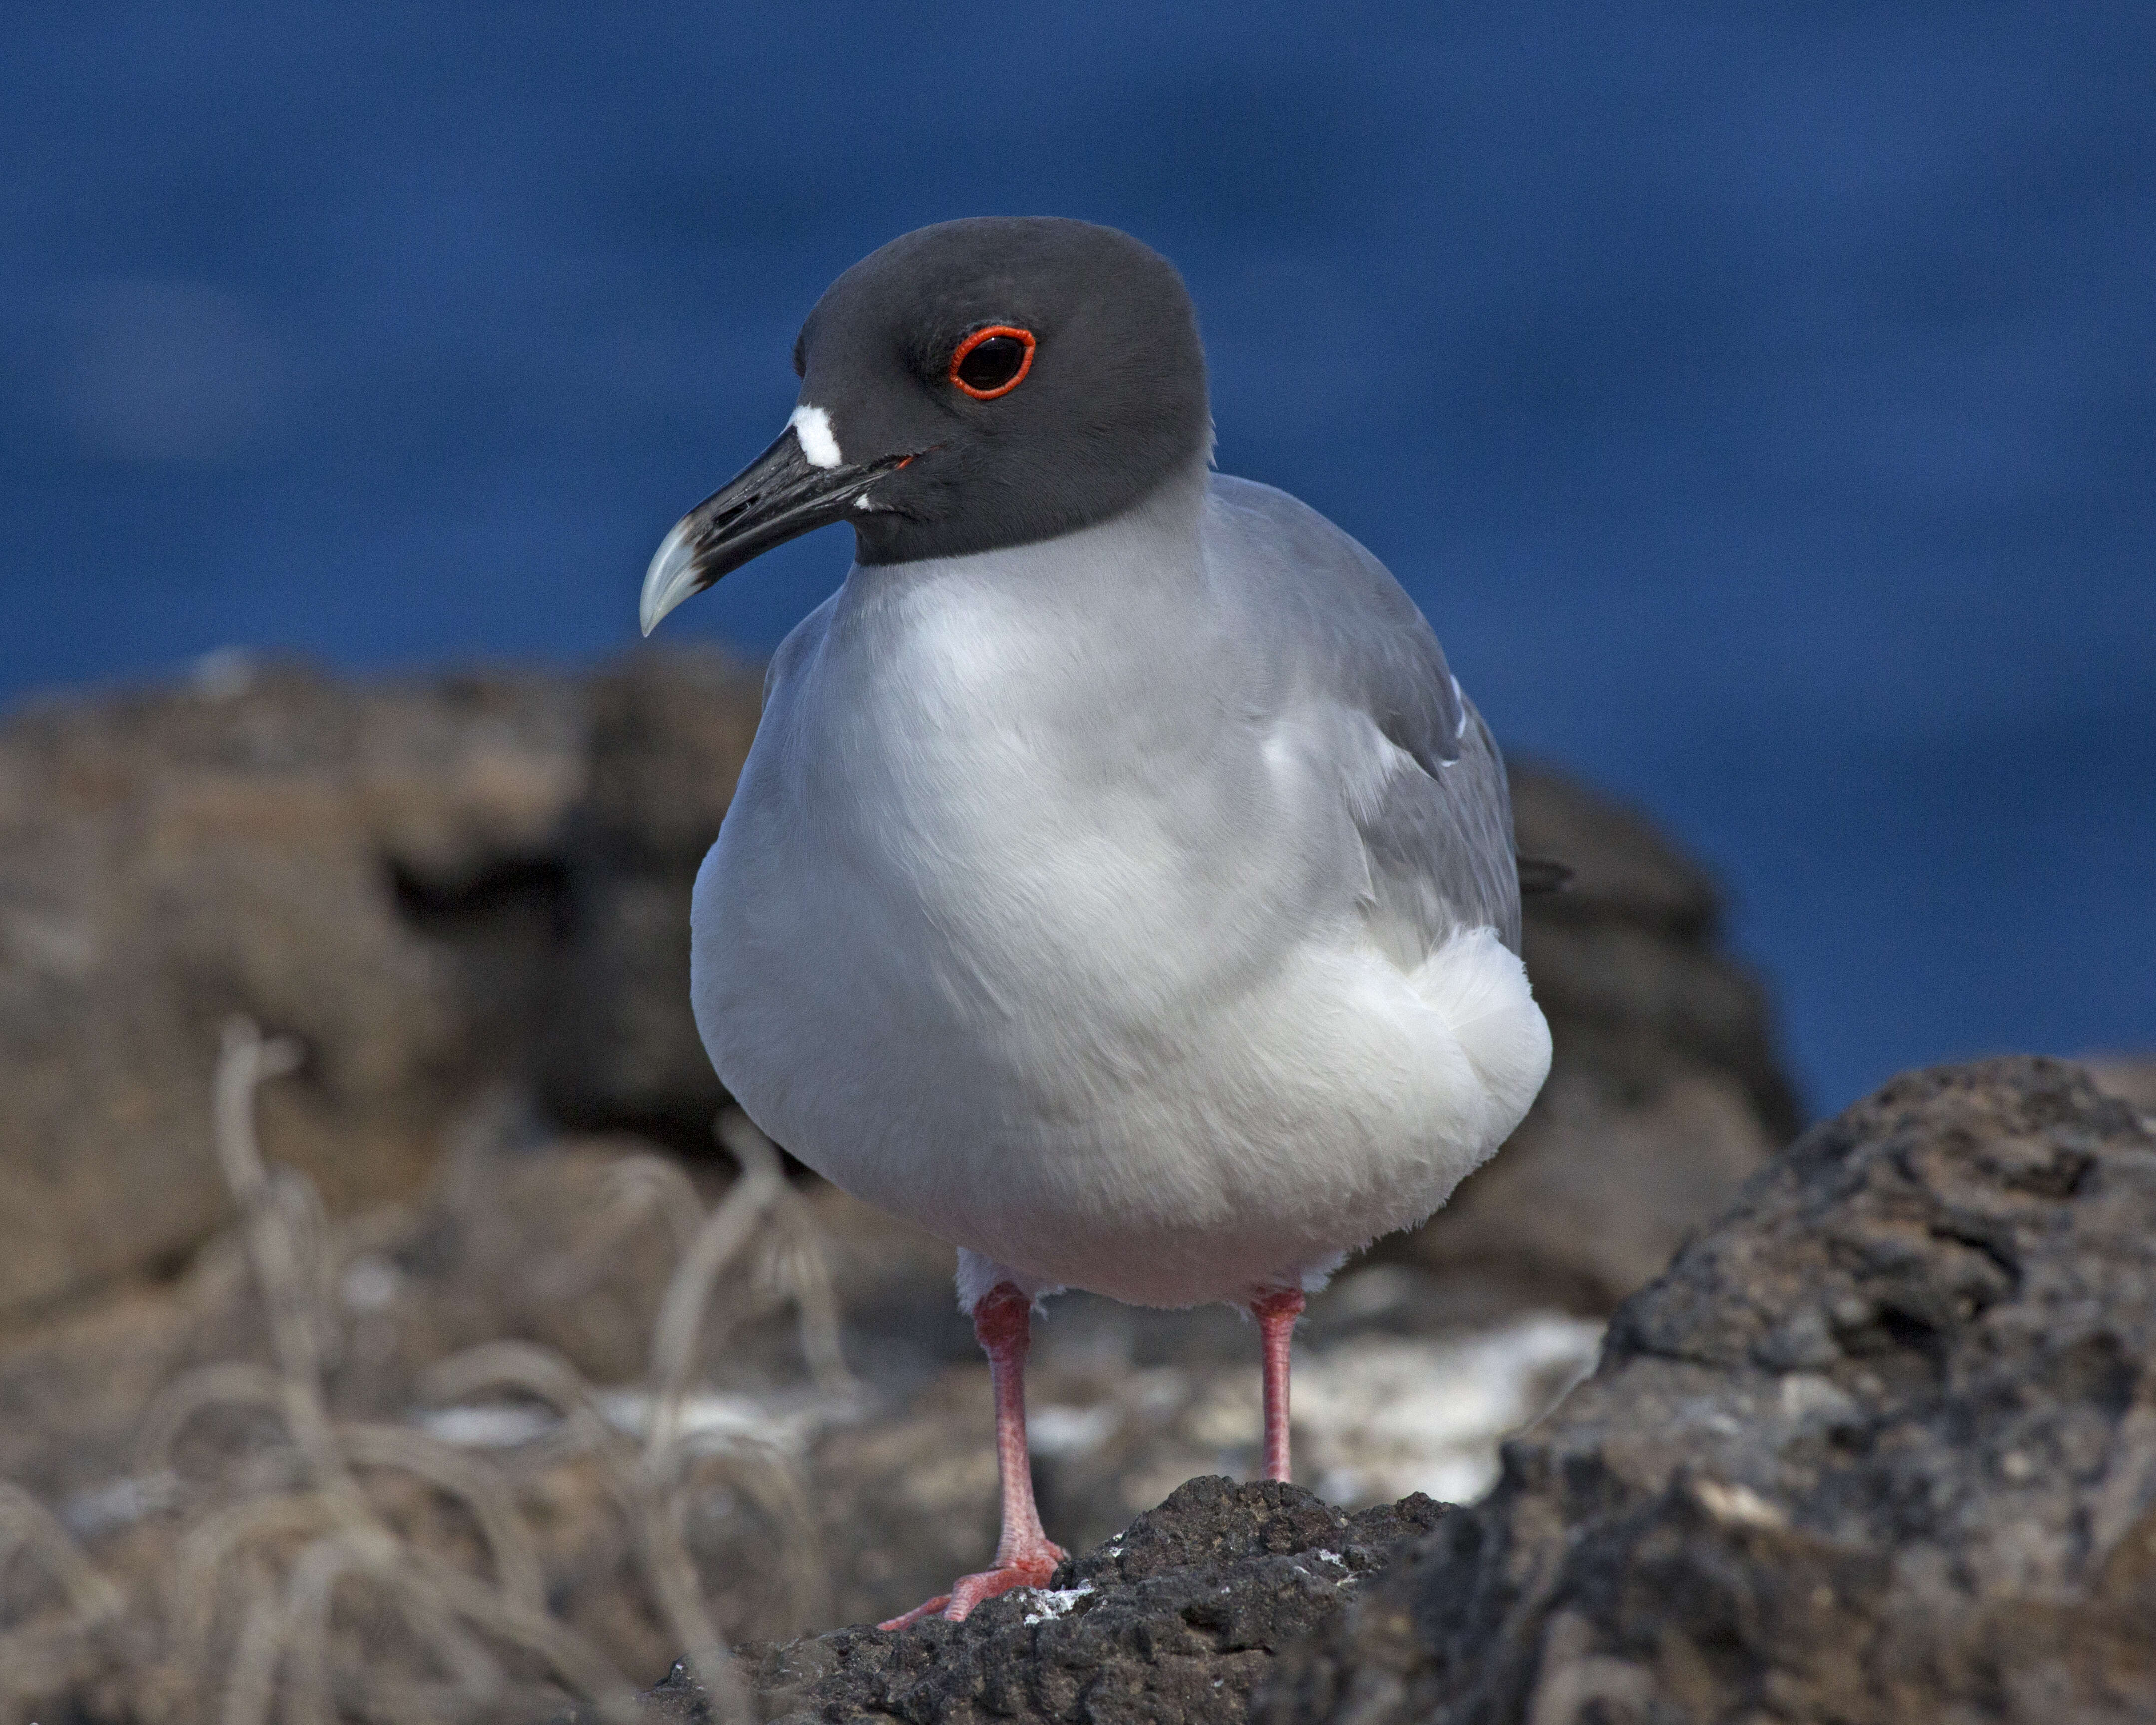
<point>1119,885</point>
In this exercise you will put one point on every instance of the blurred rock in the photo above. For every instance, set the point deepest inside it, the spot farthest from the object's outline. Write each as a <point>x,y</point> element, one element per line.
<point>253,845</point>
<point>1178,1618</point>
<point>668,738</point>
<point>2132,1078</point>
<point>1880,1446</point>
<point>439,886</point>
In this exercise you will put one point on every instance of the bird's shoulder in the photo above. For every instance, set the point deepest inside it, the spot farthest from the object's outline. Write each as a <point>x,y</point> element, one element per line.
<point>796,651</point>
<point>1353,634</point>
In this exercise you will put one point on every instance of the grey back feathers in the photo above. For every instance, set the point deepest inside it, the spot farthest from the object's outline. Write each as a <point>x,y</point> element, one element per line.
<point>1436,822</point>
<point>1113,404</point>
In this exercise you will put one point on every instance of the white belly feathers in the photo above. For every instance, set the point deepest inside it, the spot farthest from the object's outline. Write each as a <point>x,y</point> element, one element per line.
<point>1065,978</point>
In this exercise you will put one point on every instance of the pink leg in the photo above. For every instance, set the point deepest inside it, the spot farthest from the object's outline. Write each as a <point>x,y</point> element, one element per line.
<point>1276,1313</point>
<point>1023,1556</point>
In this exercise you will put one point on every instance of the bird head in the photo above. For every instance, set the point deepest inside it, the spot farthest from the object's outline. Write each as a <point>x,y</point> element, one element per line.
<point>969,386</point>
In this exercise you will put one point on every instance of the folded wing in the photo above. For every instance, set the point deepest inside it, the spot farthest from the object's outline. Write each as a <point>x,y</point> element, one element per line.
<point>1421,776</point>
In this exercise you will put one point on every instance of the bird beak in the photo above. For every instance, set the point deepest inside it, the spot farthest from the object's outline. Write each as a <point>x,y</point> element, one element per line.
<point>778,497</point>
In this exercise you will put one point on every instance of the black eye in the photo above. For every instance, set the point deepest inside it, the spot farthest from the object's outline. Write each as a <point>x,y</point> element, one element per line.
<point>992,362</point>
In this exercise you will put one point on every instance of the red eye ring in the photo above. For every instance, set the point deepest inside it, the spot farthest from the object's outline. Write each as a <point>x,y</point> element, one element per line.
<point>974,341</point>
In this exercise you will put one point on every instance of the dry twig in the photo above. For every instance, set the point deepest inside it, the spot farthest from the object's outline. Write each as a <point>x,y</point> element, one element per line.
<point>259,1585</point>
<point>288,1629</point>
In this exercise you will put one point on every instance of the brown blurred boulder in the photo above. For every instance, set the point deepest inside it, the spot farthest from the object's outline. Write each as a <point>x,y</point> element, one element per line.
<point>443,883</point>
<point>1880,1446</point>
<point>668,738</point>
<point>434,885</point>
<point>1665,1092</point>
<point>2132,1078</point>
<point>168,858</point>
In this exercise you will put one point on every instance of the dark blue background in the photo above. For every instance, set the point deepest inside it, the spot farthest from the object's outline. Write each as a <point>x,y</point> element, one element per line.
<point>1760,400</point>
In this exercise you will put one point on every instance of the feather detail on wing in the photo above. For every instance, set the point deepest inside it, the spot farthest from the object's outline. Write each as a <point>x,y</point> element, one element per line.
<point>1425,785</point>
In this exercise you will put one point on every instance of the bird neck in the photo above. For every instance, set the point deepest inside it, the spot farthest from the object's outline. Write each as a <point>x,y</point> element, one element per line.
<point>1098,620</point>
<point>1148,554</point>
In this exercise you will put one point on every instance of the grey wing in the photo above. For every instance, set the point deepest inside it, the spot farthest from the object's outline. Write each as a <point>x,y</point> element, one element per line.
<point>1440,845</point>
<point>1436,820</point>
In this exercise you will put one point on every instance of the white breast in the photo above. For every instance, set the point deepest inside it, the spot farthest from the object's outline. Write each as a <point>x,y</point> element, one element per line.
<point>1071,976</point>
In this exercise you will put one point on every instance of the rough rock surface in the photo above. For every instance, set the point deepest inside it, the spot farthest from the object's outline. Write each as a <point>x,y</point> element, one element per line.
<point>1880,1445</point>
<point>445,883</point>
<point>1177,1620</point>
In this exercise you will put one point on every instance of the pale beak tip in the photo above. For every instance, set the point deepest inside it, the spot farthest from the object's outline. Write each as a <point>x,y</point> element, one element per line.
<point>669,579</point>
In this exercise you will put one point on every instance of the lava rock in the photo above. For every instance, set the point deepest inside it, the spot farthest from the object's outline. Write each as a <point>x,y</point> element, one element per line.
<point>1880,1446</point>
<point>1178,1619</point>
<point>434,885</point>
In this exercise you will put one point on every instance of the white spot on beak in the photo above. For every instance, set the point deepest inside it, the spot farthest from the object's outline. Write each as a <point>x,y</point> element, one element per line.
<point>819,443</point>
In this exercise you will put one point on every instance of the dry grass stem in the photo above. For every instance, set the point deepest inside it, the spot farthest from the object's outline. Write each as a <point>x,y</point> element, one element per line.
<point>250,1679</point>
<point>38,1655</point>
<point>725,1232</point>
<point>285,1572</point>
<point>800,1271</point>
<point>229,1383</point>
<point>471,1481</point>
<point>290,1631</point>
<point>645,1184</point>
<point>27,1525</point>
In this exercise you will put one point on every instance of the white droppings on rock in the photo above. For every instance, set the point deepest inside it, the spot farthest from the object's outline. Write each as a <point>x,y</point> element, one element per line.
<point>1807,1396</point>
<point>785,1423</point>
<point>119,1504</point>
<point>1055,1601</point>
<point>491,1426</point>
<point>1738,1506</point>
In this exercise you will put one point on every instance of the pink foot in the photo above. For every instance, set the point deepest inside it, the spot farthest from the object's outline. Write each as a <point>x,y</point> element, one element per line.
<point>1031,1569</point>
<point>1025,1556</point>
<point>1035,1569</point>
<point>927,1608</point>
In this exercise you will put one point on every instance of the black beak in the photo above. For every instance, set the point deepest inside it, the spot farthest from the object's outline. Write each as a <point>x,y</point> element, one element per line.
<point>779,496</point>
